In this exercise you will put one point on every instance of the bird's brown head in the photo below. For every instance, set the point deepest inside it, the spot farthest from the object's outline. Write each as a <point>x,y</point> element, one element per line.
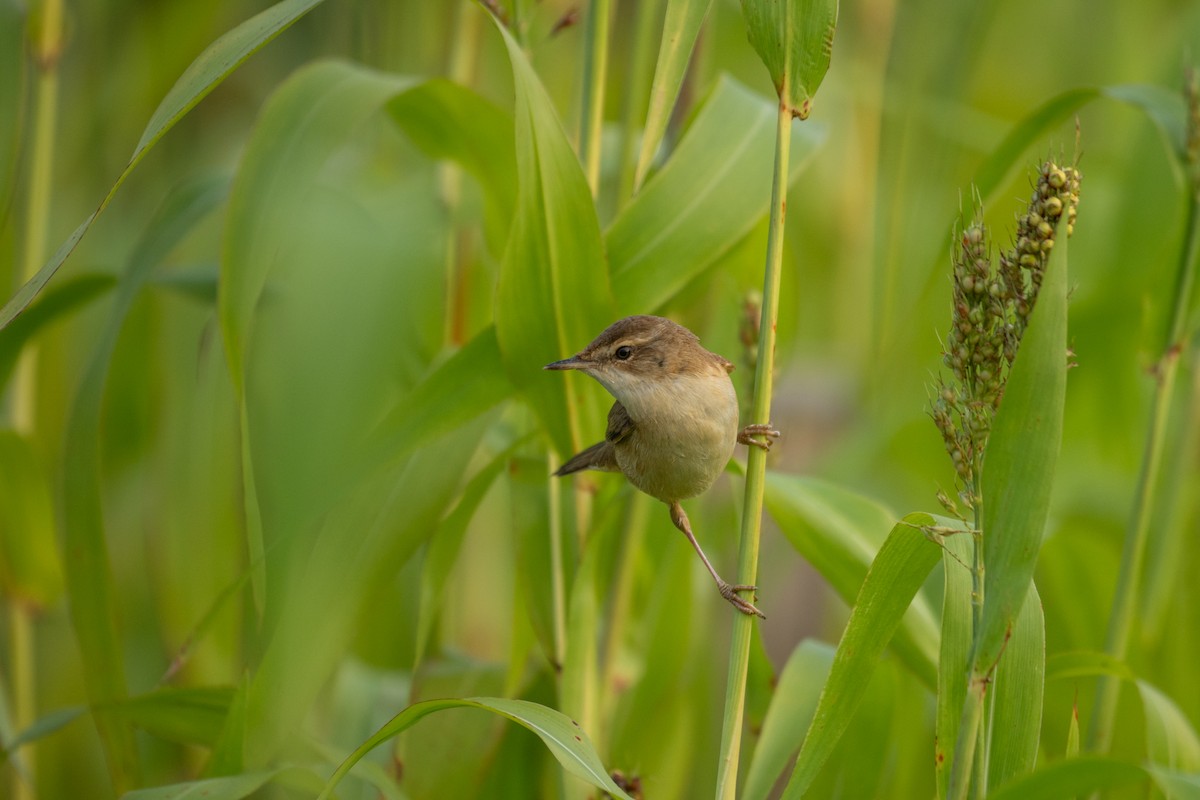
<point>643,348</point>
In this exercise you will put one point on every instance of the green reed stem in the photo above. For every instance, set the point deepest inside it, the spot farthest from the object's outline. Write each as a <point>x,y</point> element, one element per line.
<point>45,50</point>
<point>756,466</point>
<point>637,93</point>
<point>595,70</point>
<point>1125,611</point>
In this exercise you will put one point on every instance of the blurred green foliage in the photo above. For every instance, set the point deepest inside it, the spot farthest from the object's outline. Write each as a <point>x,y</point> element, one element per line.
<point>300,491</point>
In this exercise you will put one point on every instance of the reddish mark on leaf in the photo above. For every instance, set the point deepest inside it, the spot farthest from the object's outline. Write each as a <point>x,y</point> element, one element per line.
<point>577,738</point>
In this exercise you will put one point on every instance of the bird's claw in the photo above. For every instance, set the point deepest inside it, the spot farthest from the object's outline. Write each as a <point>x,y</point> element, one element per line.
<point>730,593</point>
<point>768,433</point>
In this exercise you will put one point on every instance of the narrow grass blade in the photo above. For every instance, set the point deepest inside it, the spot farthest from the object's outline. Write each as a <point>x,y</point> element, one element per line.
<point>448,121</point>
<point>46,725</point>
<point>794,39</point>
<point>954,661</point>
<point>789,715</point>
<point>839,533</point>
<point>1022,454</point>
<point>897,573</point>
<point>1072,777</point>
<point>233,787</point>
<point>203,75</point>
<point>565,739</point>
<point>1171,741</point>
<point>708,196</point>
<point>55,304</point>
<point>681,28</point>
<point>553,294</point>
<point>1019,687</point>
<point>88,575</point>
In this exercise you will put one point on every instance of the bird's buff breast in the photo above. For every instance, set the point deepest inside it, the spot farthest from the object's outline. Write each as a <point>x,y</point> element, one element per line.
<point>685,430</point>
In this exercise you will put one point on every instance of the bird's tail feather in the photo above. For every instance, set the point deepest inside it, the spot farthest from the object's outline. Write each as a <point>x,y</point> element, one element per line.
<point>599,456</point>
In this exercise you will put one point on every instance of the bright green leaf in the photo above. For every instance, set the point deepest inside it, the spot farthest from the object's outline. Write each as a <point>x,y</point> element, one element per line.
<point>1022,453</point>
<point>711,193</point>
<point>453,122</point>
<point>553,295</point>
<point>202,76</point>
<point>57,303</point>
<point>789,715</point>
<point>680,31</point>
<point>1071,777</point>
<point>565,739</point>
<point>1019,686</point>
<point>88,576</point>
<point>838,532</point>
<point>896,574</point>
<point>794,39</point>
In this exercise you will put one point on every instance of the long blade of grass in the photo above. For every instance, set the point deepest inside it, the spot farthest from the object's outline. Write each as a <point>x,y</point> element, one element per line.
<point>899,570</point>
<point>954,661</point>
<point>1072,777</point>
<point>789,715</point>
<point>839,532</point>
<point>202,76</point>
<point>681,28</point>
<point>1022,454</point>
<point>795,42</point>
<point>232,787</point>
<point>448,121</point>
<point>1019,687</point>
<point>53,305</point>
<point>706,198</point>
<point>30,571</point>
<point>188,715</point>
<point>88,575</point>
<point>553,293</point>
<point>565,739</point>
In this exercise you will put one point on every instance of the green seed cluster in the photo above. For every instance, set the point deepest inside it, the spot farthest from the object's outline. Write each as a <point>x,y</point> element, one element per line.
<point>991,309</point>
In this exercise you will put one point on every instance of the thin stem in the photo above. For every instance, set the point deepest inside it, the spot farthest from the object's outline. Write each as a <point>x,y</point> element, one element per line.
<point>595,70</point>
<point>756,466</point>
<point>637,92</point>
<point>1125,611</point>
<point>622,604</point>
<point>970,749</point>
<point>46,49</point>
<point>557,581</point>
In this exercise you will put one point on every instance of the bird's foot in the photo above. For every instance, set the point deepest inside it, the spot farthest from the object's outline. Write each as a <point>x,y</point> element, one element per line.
<point>769,434</point>
<point>730,593</point>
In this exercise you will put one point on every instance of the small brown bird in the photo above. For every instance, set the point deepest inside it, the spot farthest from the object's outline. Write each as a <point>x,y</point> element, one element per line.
<point>674,424</point>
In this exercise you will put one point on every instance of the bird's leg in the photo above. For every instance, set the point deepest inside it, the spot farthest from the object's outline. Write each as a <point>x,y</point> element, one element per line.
<point>728,591</point>
<point>768,433</point>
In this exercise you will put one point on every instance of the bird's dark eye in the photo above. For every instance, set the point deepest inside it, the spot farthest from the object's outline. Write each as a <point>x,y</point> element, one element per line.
<point>624,352</point>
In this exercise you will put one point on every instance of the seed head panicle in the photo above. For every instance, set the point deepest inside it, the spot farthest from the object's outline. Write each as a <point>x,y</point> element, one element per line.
<point>991,306</point>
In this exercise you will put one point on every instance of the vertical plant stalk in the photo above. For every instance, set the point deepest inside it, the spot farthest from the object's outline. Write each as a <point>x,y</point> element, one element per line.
<point>636,94</point>
<point>595,70</point>
<point>756,466</point>
<point>1137,534</point>
<point>46,50</point>
<point>558,584</point>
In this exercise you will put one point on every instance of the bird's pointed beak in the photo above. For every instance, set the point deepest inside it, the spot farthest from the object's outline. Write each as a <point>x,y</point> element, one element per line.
<point>574,362</point>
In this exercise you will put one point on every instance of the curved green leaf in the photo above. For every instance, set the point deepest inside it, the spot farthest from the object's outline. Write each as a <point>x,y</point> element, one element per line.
<point>202,76</point>
<point>1072,777</point>
<point>954,661</point>
<point>708,196</point>
<point>232,787</point>
<point>56,303</point>
<point>789,715</point>
<point>896,574</point>
<point>297,132</point>
<point>1022,453</point>
<point>1171,741</point>
<point>681,28</point>
<point>88,577</point>
<point>553,295</point>
<point>449,121</point>
<point>1019,687</point>
<point>565,739</point>
<point>839,533</point>
<point>794,39</point>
